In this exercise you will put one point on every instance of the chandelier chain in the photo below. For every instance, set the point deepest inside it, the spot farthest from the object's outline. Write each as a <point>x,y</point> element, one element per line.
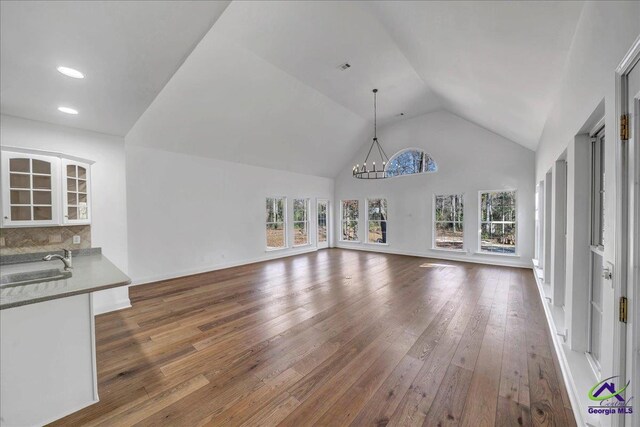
<point>375,114</point>
<point>364,172</point>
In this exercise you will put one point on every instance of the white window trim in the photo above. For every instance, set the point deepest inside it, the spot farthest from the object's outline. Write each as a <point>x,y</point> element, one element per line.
<point>366,203</point>
<point>404,150</point>
<point>516,253</point>
<point>293,222</point>
<point>595,217</point>
<point>342,221</point>
<point>328,219</point>
<point>286,233</point>
<point>433,224</point>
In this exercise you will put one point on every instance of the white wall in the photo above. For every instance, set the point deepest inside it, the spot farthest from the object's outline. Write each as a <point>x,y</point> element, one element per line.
<point>108,198</point>
<point>604,34</point>
<point>190,214</point>
<point>470,159</point>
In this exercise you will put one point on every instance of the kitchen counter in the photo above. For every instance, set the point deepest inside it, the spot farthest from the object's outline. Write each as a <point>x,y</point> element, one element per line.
<point>92,272</point>
<point>48,354</point>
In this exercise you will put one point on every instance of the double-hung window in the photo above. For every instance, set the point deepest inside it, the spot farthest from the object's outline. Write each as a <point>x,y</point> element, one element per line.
<point>596,288</point>
<point>349,217</point>
<point>498,222</point>
<point>448,222</point>
<point>300,222</point>
<point>377,221</point>
<point>276,223</point>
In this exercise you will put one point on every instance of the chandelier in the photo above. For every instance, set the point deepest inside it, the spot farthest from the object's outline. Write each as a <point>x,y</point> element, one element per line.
<point>380,172</point>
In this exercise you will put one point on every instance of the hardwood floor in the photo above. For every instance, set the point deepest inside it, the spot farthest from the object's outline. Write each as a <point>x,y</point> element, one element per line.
<point>335,337</point>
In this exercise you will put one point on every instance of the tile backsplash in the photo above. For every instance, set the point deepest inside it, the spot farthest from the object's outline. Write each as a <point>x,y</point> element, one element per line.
<point>43,239</point>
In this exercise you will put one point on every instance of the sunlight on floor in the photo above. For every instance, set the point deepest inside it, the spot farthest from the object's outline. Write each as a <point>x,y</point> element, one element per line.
<point>435,265</point>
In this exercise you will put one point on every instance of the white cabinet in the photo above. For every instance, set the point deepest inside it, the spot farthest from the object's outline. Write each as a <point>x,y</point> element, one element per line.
<point>44,190</point>
<point>76,183</point>
<point>47,361</point>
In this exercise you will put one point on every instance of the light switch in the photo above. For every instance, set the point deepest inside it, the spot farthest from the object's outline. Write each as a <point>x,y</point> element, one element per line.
<point>76,240</point>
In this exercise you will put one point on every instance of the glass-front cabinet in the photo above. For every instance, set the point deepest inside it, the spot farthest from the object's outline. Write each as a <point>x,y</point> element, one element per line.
<point>44,190</point>
<point>75,192</point>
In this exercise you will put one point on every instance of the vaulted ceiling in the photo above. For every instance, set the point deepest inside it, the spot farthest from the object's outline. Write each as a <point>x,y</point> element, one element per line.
<point>263,86</point>
<point>128,50</point>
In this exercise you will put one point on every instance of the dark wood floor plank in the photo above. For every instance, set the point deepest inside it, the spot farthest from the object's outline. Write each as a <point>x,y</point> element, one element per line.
<point>512,414</point>
<point>384,402</point>
<point>547,408</point>
<point>449,403</point>
<point>481,404</point>
<point>514,377</point>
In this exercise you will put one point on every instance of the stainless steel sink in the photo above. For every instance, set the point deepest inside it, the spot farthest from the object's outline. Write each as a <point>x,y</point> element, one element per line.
<point>28,277</point>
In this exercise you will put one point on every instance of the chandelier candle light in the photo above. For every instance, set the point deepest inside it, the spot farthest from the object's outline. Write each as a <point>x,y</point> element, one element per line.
<point>363,172</point>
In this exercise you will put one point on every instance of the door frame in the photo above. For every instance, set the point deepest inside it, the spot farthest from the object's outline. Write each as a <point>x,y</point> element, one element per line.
<point>327,244</point>
<point>625,231</point>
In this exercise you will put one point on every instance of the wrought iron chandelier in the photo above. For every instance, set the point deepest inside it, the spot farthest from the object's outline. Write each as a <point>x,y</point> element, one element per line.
<point>363,172</point>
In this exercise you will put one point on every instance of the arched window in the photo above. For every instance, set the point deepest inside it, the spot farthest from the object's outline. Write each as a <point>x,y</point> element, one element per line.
<point>410,161</point>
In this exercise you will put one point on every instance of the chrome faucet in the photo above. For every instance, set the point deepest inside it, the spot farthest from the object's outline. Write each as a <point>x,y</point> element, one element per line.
<point>66,259</point>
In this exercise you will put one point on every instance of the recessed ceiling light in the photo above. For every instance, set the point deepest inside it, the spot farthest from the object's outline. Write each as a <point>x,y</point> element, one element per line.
<point>71,72</point>
<point>68,110</point>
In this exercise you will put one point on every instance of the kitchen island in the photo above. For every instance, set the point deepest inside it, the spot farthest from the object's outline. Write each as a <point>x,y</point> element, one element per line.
<point>47,337</point>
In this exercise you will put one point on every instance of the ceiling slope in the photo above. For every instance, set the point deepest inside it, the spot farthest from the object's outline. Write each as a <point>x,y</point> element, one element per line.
<point>263,86</point>
<point>498,64</point>
<point>227,103</point>
<point>127,50</point>
<point>310,39</point>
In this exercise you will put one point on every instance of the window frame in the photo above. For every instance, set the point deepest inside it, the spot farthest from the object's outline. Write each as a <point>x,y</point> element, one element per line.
<point>368,220</point>
<point>598,141</point>
<point>294,222</point>
<point>342,221</point>
<point>422,167</point>
<point>597,195</point>
<point>516,252</point>
<point>285,215</point>
<point>326,243</point>
<point>434,222</point>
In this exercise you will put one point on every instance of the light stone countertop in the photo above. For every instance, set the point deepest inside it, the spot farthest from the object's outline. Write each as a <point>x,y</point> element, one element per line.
<point>92,272</point>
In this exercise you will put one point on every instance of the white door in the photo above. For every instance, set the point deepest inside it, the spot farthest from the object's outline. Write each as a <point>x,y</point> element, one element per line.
<point>323,223</point>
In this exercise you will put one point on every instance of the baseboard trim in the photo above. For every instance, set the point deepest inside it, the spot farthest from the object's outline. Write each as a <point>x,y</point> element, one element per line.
<point>475,258</point>
<point>115,306</point>
<point>189,272</point>
<point>63,414</point>
<point>567,376</point>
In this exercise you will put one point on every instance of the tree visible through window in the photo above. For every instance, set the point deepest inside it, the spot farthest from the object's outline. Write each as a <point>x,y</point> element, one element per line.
<point>411,161</point>
<point>448,222</point>
<point>377,218</point>
<point>498,222</point>
<point>276,222</point>
<point>349,218</point>
<point>300,222</point>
